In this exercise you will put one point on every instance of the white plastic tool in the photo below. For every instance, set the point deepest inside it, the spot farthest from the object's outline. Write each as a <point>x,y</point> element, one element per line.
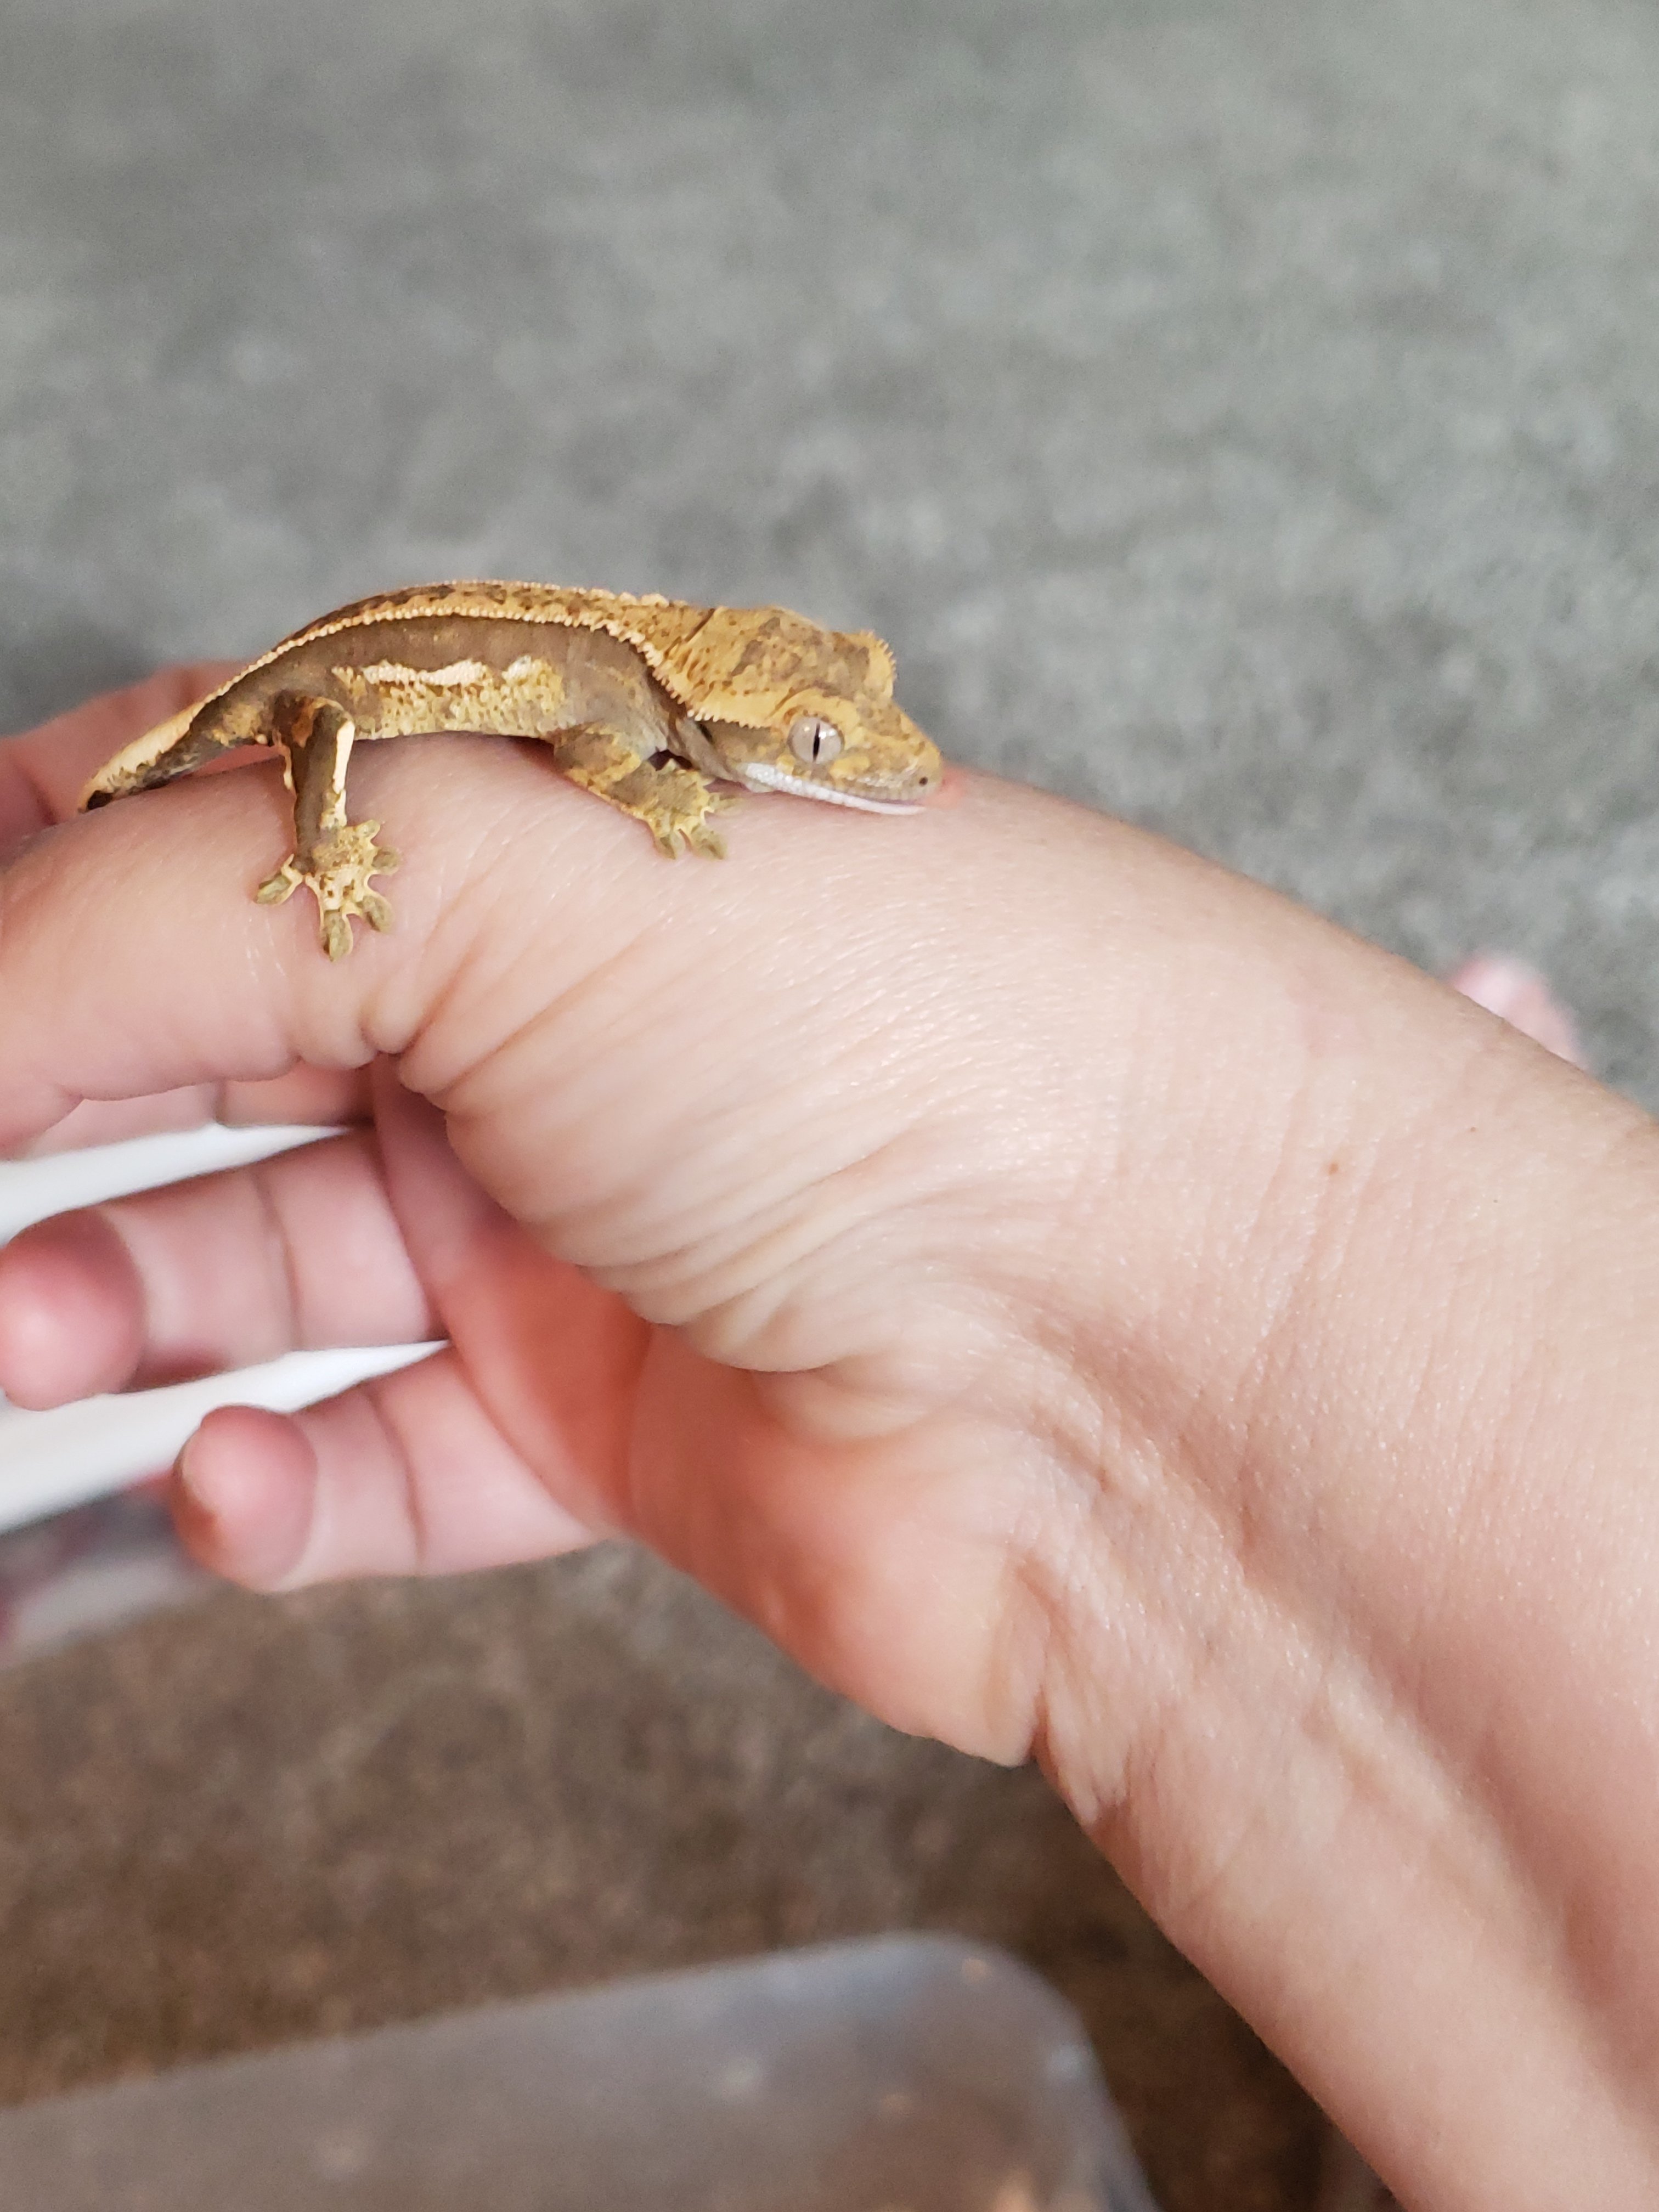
<point>52,1460</point>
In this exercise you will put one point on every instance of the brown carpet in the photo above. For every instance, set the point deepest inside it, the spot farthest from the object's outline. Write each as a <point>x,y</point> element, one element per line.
<point>259,1821</point>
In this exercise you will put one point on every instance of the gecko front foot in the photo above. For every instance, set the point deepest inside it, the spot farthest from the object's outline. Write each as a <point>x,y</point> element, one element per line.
<point>673,801</point>
<point>677,808</point>
<point>343,861</point>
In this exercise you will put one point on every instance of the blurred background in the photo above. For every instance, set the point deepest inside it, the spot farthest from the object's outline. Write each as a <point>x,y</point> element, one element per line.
<point>1241,417</point>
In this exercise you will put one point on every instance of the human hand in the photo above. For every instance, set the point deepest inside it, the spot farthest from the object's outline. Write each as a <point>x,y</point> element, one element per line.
<point>1074,1301</point>
<point>778,1355</point>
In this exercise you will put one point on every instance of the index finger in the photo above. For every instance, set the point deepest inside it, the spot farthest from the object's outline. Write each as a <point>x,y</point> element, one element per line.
<point>135,959</point>
<point>44,771</point>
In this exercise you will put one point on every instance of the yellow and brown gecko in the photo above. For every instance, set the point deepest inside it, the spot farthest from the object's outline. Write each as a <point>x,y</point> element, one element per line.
<point>647,704</point>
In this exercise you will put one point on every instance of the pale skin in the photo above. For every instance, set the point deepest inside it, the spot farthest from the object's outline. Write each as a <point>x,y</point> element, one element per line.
<point>1079,1304</point>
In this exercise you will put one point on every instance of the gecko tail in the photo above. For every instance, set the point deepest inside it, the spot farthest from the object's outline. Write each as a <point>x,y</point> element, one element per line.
<point>157,757</point>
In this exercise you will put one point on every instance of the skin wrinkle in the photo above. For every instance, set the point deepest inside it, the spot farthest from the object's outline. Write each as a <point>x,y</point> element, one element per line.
<point>478,1086</point>
<point>1042,1574</point>
<point>385,1405</point>
<point>486,1072</point>
<point>362,1228</point>
<point>1218,1874</point>
<point>1099,1204</point>
<point>643,1279</point>
<point>1330,1232</point>
<point>1017,1644</point>
<point>1210,1891</point>
<point>491,876</point>
<point>138,1284</point>
<point>1287,1600</point>
<point>1236,1540</point>
<point>291,1320</point>
<point>845,1213</point>
<point>844,1190</point>
<point>1126,1483</point>
<point>362,1410</point>
<point>300,1571</point>
<point>1111,1776</point>
<point>738,1321</point>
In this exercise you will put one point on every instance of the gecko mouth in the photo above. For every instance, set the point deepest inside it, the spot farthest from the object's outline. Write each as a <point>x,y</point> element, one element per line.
<point>760,775</point>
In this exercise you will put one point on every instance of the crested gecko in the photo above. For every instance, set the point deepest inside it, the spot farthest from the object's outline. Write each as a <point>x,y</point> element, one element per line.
<point>646,702</point>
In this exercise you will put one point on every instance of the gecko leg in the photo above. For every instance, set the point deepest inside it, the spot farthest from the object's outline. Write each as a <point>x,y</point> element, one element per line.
<point>672,800</point>
<point>333,857</point>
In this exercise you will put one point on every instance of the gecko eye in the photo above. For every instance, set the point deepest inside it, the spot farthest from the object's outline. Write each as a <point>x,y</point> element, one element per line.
<point>812,740</point>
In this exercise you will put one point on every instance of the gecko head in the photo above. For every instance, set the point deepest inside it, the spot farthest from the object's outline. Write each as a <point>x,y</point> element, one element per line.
<point>787,705</point>
<point>859,751</point>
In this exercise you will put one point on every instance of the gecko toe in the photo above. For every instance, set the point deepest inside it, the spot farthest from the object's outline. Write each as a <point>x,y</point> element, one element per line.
<point>283,886</point>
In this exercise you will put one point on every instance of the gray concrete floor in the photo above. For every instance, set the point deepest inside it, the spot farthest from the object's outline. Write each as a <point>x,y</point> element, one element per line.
<point>1241,417</point>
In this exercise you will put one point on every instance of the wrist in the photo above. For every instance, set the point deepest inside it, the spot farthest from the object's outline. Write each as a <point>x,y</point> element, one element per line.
<point>1355,1539</point>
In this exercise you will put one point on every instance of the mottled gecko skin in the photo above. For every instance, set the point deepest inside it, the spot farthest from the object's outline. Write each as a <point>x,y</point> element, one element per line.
<point>646,702</point>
